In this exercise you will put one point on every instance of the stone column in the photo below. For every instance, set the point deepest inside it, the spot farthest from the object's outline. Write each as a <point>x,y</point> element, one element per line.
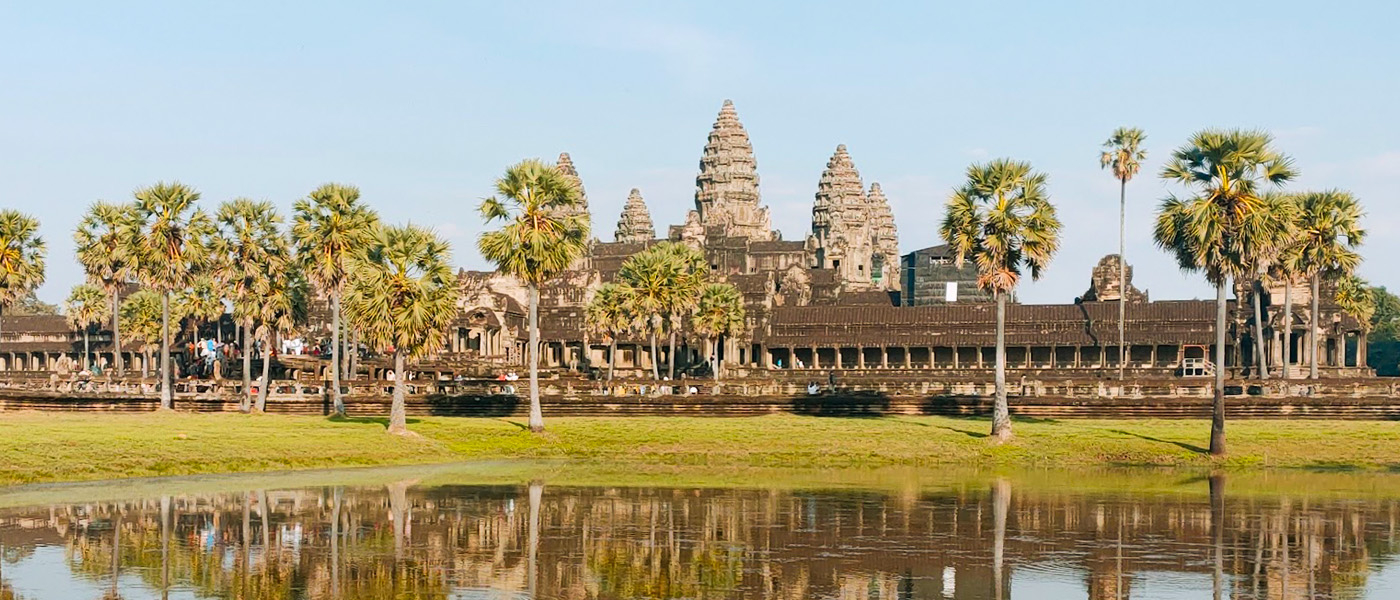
<point>816,358</point>
<point>908,361</point>
<point>884,357</point>
<point>955,357</point>
<point>860,357</point>
<point>838,357</point>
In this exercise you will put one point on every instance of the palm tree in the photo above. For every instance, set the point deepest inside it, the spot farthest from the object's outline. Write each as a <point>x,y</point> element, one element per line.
<point>650,278</point>
<point>540,237</point>
<point>403,295</point>
<point>86,306</point>
<point>282,308</point>
<point>101,251</point>
<point>21,256</point>
<point>330,225</point>
<point>1265,234</point>
<point>1329,231</point>
<point>169,244</point>
<point>249,249</point>
<point>141,311</point>
<point>1001,219</point>
<point>720,312</point>
<point>202,302</point>
<point>1124,154</point>
<point>608,315</point>
<point>1355,297</point>
<point>685,293</point>
<point>1224,171</point>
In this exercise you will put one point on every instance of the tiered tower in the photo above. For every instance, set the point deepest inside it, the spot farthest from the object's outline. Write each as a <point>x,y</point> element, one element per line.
<point>635,225</point>
<point>885,262</point>
<point>566,166</point>
<point>855,232</point>
<point>726,190</point>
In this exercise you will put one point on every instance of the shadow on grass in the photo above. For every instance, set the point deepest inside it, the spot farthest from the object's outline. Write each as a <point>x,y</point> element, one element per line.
<point>1182,445</point>
<point>517,424</point>
<point>381,421</point>
<point>968,433</point>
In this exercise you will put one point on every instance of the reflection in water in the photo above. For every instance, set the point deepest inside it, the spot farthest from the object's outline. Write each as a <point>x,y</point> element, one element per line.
<point>966,542</point>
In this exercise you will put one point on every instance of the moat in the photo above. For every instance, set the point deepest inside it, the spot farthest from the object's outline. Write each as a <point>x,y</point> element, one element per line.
<point>430,533</point>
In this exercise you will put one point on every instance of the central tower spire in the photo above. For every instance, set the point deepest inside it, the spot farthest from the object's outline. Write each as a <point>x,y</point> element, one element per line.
<point>726,190</point>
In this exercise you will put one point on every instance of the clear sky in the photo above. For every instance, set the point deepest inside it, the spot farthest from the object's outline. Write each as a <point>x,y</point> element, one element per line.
<point>423,104</point>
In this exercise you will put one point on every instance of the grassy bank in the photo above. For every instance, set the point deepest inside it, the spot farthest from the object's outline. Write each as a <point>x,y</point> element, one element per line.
<point>47,447</point>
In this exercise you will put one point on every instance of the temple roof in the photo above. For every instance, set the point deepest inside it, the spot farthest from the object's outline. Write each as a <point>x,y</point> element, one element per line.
<point>1171,322</point>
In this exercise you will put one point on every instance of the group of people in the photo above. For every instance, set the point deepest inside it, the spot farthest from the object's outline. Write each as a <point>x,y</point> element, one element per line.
<point>208,357</point>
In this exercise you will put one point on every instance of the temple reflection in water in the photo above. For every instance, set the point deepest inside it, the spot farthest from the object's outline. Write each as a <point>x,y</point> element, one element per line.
<point>990,540</point>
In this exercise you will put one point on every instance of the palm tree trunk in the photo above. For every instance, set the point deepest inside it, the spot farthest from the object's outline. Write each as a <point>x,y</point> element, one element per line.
<point>671,357</point>
<point>1001,504</point>
<point>398,511</point>
<point>1312,328</point>
<point>1122,275</point>
<point>1001,413</point>
<point>1217,528</point>
<point>533,356</point>
<point>1260,360</point>
<point>1217,418</point>
<point>116,554</point>
<point>1288,329</point>
<point>353,368</point>
<point>398,413</point>
<point>266,377</point>
<point>246,402</point>
<point>164,545</point>
<point>335,356</point>
<point>336,499</point>
<point>714,352</point>
<point>655,369</point>
<point>612,357</point>
<point>117,336</point>
<point>536,494</point>
<point>167,397</point>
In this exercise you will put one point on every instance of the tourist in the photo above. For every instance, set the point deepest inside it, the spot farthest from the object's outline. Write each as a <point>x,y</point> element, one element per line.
<point>812,388</point>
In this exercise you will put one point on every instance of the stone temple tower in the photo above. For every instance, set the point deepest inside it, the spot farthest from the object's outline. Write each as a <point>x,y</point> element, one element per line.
<point>635,225</point>
<point>726,190</point>
<point>884,264</point>
<point>854,232</point>
<point>566,166</point>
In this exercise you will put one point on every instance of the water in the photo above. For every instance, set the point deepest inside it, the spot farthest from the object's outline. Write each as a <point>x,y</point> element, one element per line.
<point>480,533</point>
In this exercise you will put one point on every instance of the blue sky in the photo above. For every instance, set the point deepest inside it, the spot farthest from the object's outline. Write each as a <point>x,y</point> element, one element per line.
<point>422,106</point>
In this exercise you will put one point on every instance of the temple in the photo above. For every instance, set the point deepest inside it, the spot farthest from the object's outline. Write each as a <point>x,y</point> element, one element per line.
<point>840,298</point>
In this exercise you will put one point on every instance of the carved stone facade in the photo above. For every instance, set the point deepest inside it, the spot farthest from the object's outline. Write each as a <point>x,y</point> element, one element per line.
<point>566,166</point>
<point>726,190</point>
<point>1103,282</point>
<point>854,231</point>
<point>635,225</point>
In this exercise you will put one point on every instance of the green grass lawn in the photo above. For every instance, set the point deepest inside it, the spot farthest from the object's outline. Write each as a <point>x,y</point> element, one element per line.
<point>48,447</point>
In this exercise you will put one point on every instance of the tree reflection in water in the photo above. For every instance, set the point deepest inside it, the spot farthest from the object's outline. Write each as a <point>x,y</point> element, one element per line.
<point>403,540</point>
